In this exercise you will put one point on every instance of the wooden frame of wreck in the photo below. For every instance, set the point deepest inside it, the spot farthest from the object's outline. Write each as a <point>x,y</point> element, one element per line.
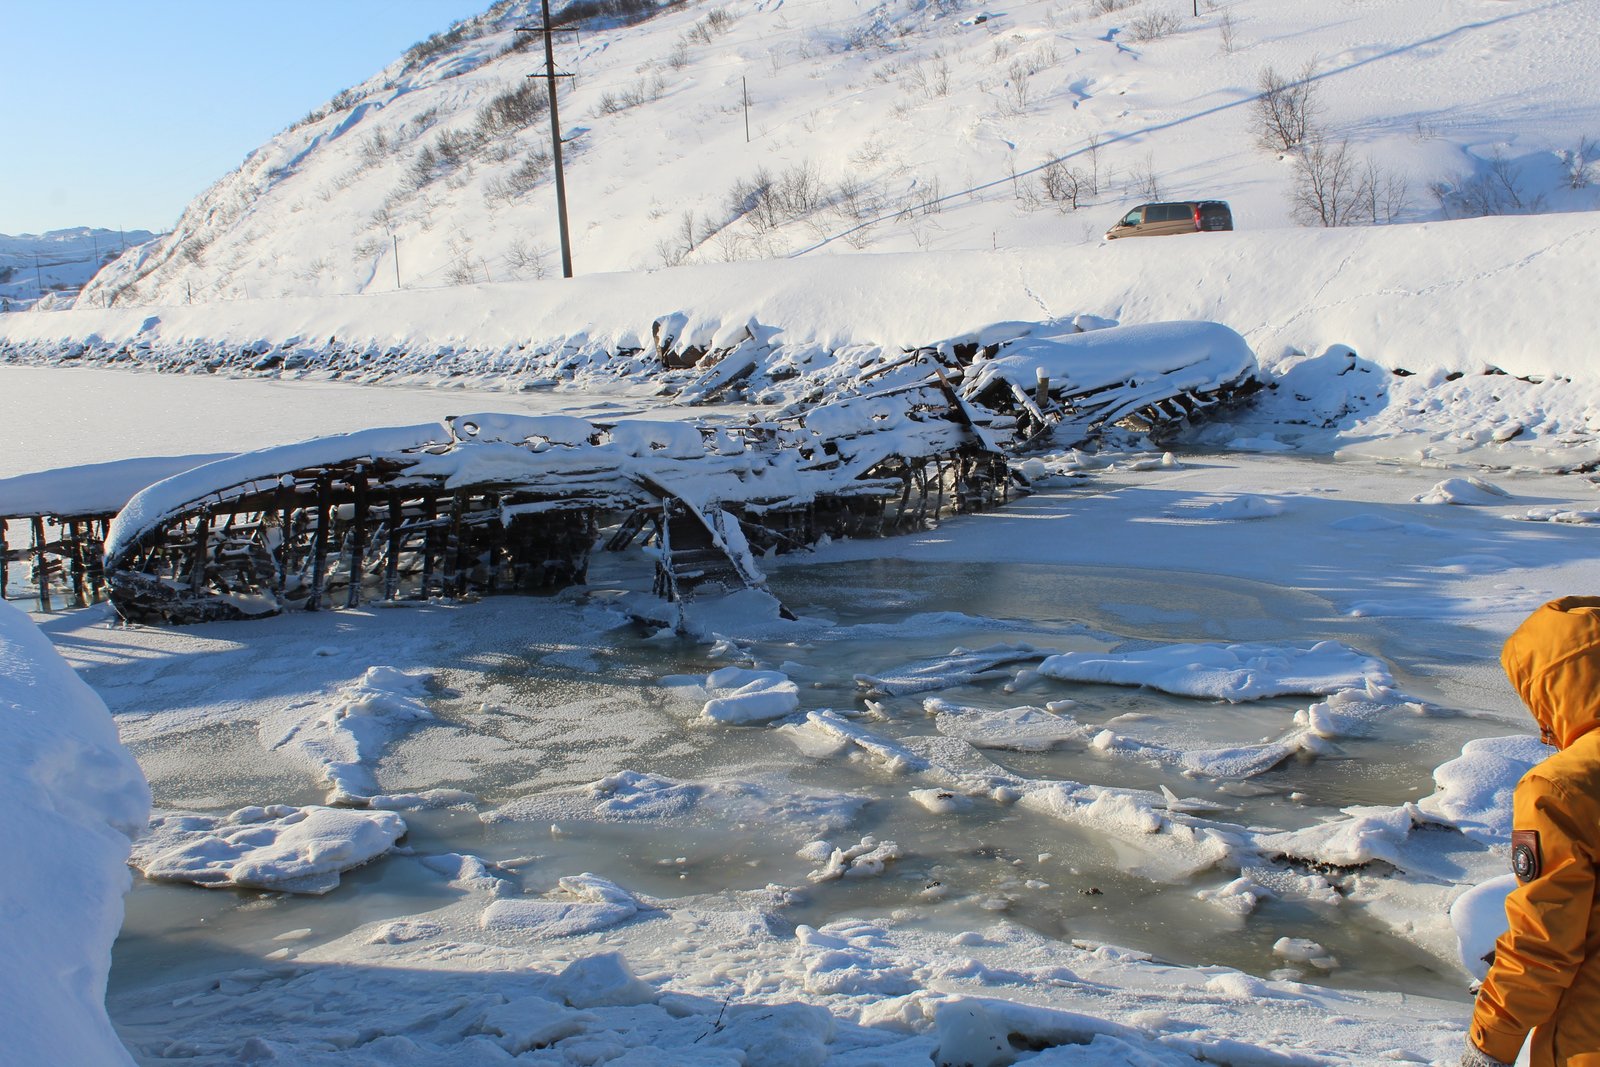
<point>494,504</point>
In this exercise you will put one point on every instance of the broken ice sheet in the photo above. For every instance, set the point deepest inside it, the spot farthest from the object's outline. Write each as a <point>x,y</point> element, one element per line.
<point>1233,672</point>
<point>1022,729</point>
<point>288,849</point>
<point>960,667</point>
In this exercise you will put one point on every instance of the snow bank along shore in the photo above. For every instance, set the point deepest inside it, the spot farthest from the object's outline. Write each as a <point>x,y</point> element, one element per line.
<point>1426,300</point>
<point>74,798</point>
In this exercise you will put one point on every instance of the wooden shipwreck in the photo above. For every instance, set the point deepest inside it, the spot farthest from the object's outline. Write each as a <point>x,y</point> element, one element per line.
<point>490,504</point>
<point>487,504</point>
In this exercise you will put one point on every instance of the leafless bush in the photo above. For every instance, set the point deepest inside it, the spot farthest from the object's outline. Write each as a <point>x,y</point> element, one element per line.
<point>1143,182</point>
<point>855,200</point>
<point>512,111</point>
<point>751,200</point>
<point>1286,109</point>
<point>1017,89</point>
<point>798,191</point>
<point>462,272</point>
<point>1228,32</point>
<point>1335,187</point>
<point>932,81</point>
<point>524,260</point>
<point>1154,26</point>
<point>1578,161</point>
<point>678,55</point>
<point>375,149</point>
<point>1063,185</point>
<point>644,90</point>
<point>530,171</point>
<point>1325,191</point>
<point>925,198</point>
<point>1106,7</point>
<point>1495,191</point>
<point>716,21</point>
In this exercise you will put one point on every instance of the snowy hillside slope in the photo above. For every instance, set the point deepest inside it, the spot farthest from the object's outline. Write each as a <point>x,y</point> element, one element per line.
<point>904,125</point>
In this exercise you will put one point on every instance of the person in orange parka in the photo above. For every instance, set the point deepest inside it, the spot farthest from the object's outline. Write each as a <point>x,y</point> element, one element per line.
<point>1546,971</point>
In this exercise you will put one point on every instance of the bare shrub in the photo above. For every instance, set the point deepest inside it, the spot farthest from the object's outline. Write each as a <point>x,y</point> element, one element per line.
<point>1154,26</point>
<point>1143,182</point>
<point>751,200</point>
<point>644,90</point>
<point>375,149</point>
<point>678,55</point>
<point>1325,188</point>
<point>926,198</point>
<point>525,260</point>
<point>1017,88</point>
<point>932,81</point>
<point>1578,162</point>
<point>1062,185</point>
<point>512,111</point>
<point>1494,191</point>
<point>1335,187</point>
<point>855,200</point>
<point>1384,195</point>
<point>798,191</point>
<point>1286,109</point>
<point>1106,7</point>
<point>1228,33</point>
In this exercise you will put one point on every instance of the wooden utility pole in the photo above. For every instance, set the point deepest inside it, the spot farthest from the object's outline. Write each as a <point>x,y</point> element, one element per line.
<point>745,86</point>
<point>550,77</point>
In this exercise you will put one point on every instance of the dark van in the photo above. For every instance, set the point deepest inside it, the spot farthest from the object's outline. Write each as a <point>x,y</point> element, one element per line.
<point>1184,216</point>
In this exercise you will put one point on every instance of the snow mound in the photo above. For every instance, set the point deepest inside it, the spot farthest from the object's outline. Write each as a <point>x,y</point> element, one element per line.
<point>1023,729</point>
<point>281,848</point>
<point>1472,492</point>
<point>581,904</point>
<point>341,737</point>
<point>73,799</point>
<point>743,696</point>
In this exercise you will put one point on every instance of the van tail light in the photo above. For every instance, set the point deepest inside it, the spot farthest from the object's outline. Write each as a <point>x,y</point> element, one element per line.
<point>1197,216</point>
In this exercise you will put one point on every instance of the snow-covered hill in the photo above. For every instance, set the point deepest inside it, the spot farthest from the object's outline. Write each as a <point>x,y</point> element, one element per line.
<point>900,126</point>
<point>57,263</point>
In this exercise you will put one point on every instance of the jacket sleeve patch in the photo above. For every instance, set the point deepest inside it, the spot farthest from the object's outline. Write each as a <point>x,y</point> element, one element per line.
<point>1526,863</point>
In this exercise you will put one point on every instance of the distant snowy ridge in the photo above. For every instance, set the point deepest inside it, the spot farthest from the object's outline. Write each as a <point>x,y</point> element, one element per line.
<point>74,799</point>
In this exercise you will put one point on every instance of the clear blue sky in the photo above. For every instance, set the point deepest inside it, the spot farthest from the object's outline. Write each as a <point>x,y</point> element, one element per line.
<point>117,114</point>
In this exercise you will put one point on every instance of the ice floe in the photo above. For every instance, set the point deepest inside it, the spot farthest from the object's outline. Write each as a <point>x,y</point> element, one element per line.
<point>343,736</point>
<point>1473,492</point>
<point>581,904</point>
<point>1231,672</point>
<point>961,667</point>
<point>276,847</point>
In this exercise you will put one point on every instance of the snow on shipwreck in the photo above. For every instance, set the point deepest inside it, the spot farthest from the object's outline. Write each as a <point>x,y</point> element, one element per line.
<point>494,503</point>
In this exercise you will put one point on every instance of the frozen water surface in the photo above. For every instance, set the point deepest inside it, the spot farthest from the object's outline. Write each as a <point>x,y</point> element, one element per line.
<point>553,743</point>
<point>535,701</point>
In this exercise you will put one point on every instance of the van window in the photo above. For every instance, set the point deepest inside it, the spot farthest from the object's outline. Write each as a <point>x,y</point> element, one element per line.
<point>1132,218</point>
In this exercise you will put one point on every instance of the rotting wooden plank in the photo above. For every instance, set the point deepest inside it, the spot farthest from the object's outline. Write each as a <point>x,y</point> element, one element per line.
<point>391,565</point>
<point>41,563</point>
<point>319,542</point>
<point>358,537</point>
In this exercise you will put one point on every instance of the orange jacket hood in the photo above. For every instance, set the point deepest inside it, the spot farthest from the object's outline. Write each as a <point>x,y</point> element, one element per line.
<point>1553,661</point>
